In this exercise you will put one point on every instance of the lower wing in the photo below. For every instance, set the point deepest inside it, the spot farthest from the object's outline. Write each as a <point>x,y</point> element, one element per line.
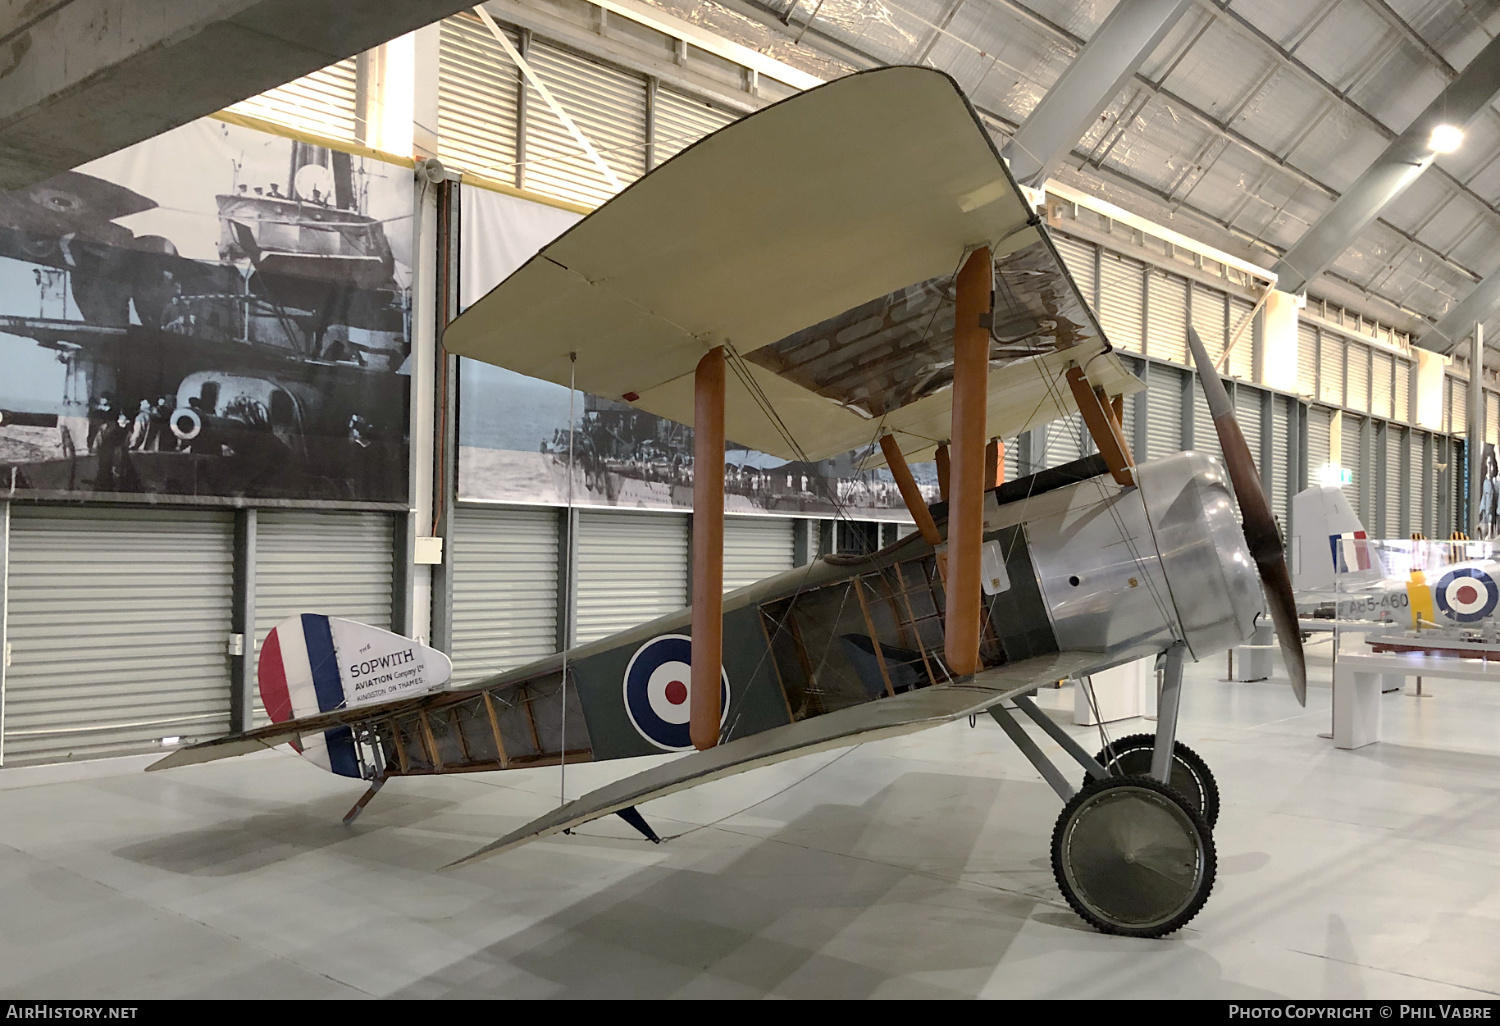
<point>886,717</point>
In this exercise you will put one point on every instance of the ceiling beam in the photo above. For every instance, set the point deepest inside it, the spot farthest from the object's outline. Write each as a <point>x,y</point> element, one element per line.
<point>87,77</point>
<point>1458,324</point>
<point>1403,161</point>
<point>1093,79</point>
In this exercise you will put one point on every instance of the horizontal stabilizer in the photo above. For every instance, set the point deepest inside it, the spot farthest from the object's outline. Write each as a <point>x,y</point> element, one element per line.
<point>871,721</point>
<point>273,734</point>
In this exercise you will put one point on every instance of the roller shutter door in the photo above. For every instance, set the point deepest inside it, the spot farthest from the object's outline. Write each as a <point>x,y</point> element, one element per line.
<point>338,564</point>
<point>1402,400</point>
<point>609,108</point>
<point>1319,419</point>
<point>1357,380</point>
<point>1330,369</point>
<point>1012,458</point>
<point>1163,411</point>
<point>118,625</point>
<point>1282,486</point>
<point>1167,316</point>
<point>1247,410</point>
<point>1242,357</point>
<point>632,567</point>
<point>1209,311</point>
<point>1078,257</point>
<point>755,548</point>
<point>1491,417</point>
<point>1393,501</point>
<point>1419,497</point>
<point>1205,437</point>
<point>680,120</point>
<point>322,103</point>
<point>1307,360</point>
<point>1353,458</point>
<point>505,564</point>
<point>1122,312</point>
<point>1382,394</point>
<point>1446,484</point>
<point>479,99</point>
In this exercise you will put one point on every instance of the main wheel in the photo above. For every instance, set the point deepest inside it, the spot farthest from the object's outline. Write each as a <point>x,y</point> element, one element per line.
<point>1190,777</point>
<point>1133,857</point>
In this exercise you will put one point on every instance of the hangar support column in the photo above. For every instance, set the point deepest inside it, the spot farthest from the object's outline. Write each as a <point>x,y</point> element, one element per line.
<point>1474,429</point>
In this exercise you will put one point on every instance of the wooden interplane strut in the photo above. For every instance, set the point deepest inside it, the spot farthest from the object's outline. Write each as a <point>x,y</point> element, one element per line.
<point>708,550</point>
<point>1104,426</point>
<point>910,493</point>
<point>971,368</point>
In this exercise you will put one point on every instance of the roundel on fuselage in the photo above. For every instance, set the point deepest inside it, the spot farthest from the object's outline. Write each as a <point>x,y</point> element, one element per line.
<point>1467,594</point>
<point>657,690</point>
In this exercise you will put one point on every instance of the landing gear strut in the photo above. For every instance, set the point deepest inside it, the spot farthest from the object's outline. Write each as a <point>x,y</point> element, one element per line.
<point>1132,854</point>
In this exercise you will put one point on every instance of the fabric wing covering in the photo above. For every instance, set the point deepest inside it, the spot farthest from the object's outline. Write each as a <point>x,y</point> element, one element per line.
<point>818,239</point>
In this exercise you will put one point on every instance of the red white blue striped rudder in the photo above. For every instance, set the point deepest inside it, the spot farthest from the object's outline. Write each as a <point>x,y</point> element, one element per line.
<point>312,664</point>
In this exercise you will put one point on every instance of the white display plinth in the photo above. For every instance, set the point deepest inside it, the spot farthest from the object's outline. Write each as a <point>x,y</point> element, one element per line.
<point>1121,693</point>
<point>1359,679</point>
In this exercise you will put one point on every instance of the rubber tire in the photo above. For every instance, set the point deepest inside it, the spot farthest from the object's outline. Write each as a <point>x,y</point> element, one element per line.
<point>1186,760</point>
<point>1206,848</point>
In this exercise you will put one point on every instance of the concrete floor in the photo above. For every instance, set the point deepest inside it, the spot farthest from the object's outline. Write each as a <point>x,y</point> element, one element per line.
<point>916,867</point>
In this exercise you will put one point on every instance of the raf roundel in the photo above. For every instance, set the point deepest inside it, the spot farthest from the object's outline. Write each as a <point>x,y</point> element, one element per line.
<point>1467,594</point>
<point>657,683</point>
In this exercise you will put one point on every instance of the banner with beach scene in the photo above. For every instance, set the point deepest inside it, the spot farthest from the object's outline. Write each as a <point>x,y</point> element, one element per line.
<point>513,429</point>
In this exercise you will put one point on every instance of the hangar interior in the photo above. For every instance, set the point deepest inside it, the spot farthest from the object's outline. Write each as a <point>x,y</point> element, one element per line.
<point>1212,188</point>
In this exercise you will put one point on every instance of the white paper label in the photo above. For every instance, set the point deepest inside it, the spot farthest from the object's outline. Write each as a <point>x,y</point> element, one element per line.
<point>992,573</point>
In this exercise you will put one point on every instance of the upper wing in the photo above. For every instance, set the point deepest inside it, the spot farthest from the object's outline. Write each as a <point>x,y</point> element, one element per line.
<point>819,238</point>
<point>886,717</point>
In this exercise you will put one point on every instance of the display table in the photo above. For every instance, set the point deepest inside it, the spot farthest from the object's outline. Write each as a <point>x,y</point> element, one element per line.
<point>1360,678</point>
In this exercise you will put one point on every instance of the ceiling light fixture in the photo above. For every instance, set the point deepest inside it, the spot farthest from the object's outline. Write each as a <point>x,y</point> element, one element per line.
<point>1446,139</point>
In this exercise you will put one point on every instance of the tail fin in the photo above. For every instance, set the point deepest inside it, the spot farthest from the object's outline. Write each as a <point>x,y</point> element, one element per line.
<point>1330,541</point>
<point>312,664</point>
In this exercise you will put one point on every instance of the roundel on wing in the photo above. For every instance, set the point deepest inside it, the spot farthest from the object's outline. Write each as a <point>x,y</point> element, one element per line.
<point>657,691</point>
<point>1467,594</point>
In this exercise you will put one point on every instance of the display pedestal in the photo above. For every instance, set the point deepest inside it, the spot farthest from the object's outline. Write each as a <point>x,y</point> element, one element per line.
<point>1360,679</point>
<point>1254,661</point>
<point>1121,693</point>
<point>1356,703</point>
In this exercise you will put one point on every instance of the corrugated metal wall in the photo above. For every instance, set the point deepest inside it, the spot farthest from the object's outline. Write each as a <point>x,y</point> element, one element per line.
<point>1122,312</point>
<point>322,103</point>
<point>1319,419</point>
<point>1307,359</point>
<point>682,120</point>
<point>609,107</point>
<point>1330,369</point>
<point>118,625</point>
<point>1079,259</point>
<point>1357,379</point>
<point>1167,318</point>
<point>479,100</point>
<point>1163,411</point>
<point>1210,312</point>
<point>1282,487</point>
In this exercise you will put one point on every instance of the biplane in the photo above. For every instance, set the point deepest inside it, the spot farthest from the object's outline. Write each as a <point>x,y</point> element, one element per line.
<point>850,267</point>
